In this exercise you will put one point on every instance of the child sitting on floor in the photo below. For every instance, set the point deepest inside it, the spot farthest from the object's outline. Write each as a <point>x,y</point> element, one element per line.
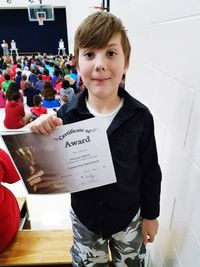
<point>2,99</point>
<point>38,109</point>
<point>9,209</point>
<point>15,116</point>
<point>67,90</point>
<point>48,94</point>
<point>64,99</point>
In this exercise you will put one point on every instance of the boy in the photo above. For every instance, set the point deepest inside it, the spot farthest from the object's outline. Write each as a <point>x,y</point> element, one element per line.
<point>121,215</point>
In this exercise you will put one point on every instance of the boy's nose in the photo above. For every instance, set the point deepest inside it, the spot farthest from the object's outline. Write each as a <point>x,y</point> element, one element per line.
<point>100,63</point>
<point>99,68</point>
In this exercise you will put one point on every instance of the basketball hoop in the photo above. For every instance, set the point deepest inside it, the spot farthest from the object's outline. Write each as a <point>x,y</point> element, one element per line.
<point>98,7</point>
<point>95,8</point>
<point>40,21</point>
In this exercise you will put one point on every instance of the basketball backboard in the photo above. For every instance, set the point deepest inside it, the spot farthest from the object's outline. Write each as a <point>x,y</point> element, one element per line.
<point>45,11</point>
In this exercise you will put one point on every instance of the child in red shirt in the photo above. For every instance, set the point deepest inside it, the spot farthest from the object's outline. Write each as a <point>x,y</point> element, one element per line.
<point>38,109</point>
<point>15,113</point>
<point>9,209</point>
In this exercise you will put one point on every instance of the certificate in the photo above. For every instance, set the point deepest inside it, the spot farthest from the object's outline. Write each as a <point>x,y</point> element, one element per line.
<point>73,158</point>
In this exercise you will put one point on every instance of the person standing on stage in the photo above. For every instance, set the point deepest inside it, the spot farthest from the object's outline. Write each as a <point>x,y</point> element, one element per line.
<point>4,45</point>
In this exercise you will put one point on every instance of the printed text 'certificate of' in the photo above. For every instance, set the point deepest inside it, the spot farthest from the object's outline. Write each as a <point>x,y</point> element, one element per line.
<point>73,158</point>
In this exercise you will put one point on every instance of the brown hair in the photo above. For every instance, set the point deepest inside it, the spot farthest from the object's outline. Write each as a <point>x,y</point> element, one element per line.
<point>48,92</point>
<point>37,100</point>
<point>64,99</point>
<point>28,85</point>
<point>97,30</point>
<point>12,88</point>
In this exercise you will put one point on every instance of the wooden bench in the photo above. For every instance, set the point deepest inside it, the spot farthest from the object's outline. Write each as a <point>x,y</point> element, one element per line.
<point>39,248</point>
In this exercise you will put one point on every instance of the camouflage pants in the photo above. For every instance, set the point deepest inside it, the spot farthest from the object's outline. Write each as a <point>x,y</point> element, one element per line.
<point>126,247</point>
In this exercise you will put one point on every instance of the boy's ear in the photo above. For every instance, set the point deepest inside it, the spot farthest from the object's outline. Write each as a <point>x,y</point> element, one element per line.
<point>125,69</point>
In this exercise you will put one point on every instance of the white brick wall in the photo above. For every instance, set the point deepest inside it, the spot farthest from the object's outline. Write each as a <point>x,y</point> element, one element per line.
<point>164,74</point>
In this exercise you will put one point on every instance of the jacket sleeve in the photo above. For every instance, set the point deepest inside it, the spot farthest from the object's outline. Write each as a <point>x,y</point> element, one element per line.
<point>150,171</point>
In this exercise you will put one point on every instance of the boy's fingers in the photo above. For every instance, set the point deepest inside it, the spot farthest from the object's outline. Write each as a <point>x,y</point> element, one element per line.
<point>57,121</point>
<point>45,124</point>
<point>151,238</point>
<point>144,237</point>
<point>41,129</point>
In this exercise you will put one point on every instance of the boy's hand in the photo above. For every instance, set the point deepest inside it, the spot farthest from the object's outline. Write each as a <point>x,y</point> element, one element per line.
<point>45,124</point>
<point>149,230</point>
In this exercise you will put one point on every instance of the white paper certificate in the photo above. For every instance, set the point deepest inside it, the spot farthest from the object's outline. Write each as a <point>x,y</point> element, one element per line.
<point>73,158</point>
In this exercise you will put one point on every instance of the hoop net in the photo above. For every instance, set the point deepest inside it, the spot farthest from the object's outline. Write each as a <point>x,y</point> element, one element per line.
<point>97,8</point>
<point>40,21</point>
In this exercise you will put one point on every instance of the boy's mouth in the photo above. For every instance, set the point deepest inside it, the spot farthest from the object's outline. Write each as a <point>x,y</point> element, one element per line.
<point>100,79</point>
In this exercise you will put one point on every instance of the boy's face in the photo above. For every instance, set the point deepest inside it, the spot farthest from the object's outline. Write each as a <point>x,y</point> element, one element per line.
<point>101,69</point>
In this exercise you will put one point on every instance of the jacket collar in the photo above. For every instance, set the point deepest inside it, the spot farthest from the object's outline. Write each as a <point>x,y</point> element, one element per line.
<point>130,103</point>
<point>130,107</point>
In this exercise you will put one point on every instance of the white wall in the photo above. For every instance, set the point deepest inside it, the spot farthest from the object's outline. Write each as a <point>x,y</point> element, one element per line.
<point>164,74</point>
<point>77,11</point>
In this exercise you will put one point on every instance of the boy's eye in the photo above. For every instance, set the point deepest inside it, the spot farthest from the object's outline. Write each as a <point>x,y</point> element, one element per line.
<point>89,54</point>
<point>111,53</point>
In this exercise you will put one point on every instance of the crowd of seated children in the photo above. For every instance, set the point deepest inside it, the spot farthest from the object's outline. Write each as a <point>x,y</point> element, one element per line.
<point>38,109</point>
<point>53,78</point>
<point>51,68</point>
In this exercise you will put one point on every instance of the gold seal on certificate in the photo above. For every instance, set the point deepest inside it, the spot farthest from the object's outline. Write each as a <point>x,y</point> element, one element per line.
<point>75,157</point>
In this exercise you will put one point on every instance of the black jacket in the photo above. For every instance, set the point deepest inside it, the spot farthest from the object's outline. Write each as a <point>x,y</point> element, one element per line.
<point>109,209</point>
